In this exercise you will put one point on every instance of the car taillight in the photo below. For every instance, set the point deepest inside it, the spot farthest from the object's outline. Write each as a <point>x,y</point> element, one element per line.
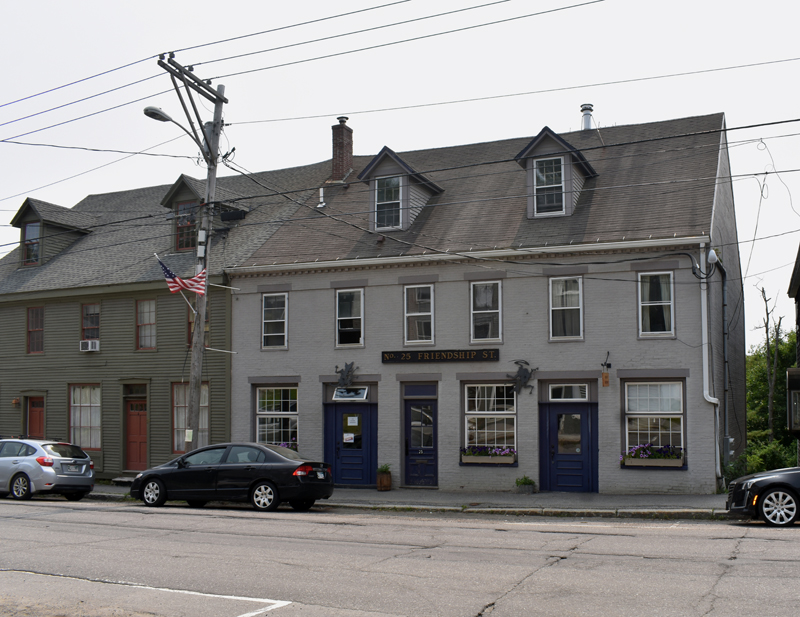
<point>91,464</point>
<point>328,469</point>
<point>303,470</point>
<point>45,461</point>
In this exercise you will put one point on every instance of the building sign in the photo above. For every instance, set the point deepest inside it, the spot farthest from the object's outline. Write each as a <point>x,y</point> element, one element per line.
<point>450,355</point>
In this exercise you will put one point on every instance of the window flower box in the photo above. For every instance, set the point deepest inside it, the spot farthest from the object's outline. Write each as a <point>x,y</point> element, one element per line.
<point>653,462</point>
<point>488,454</point>
<point>648,455</point>
<point>499,460</point>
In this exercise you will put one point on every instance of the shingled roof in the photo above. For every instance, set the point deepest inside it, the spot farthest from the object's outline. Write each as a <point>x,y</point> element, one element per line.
<point>654,180</point>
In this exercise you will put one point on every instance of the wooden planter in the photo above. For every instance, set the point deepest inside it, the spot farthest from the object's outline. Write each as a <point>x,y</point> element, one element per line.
<point>497,460</point>
<point>653,462</point>
<point>385,481</point>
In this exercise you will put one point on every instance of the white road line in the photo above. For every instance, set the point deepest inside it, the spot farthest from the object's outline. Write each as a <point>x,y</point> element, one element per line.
<point>273,603</point>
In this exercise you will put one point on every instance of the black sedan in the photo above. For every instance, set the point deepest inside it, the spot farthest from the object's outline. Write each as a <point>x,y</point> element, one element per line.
<point>263,474</point>
<point>769,495</point>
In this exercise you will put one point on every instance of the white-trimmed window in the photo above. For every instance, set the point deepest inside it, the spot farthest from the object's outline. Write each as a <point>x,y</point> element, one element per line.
<point>145,324</point>
<point>654,414</point>
<point>656,306</point>
<point>490,415</point>
<point>274,310</point>
<point>486,311</point>
<point>548,186</point>
<point>180,411</point>
<point>419,313</point>
<point>387,203</point>
<point>569,392</point>
<point>276,416</point>
<point>349,317</point>
<point>566,307</point>
<point>85,416</point>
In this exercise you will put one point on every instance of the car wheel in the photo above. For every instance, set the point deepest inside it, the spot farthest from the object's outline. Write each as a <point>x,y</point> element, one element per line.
<point>21,487</point>
<point>196,503</point>
<point>264,497</point>
<point>154,493</point>
<point>74,496</point>
<point>778,507</point>
<point>302,505</point>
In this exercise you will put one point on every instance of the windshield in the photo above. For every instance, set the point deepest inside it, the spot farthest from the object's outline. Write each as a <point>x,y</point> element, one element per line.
<point>285,452</point>
<point>64,450</point>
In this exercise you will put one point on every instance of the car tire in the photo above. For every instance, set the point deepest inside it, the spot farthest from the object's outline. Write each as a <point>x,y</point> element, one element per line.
<point>196,503</point>
<point>153,493</point>
<point>74,496</point>
<point>21,487</point>
<point>302,505</point>
<point>264,497</point>
<point>778,507</point>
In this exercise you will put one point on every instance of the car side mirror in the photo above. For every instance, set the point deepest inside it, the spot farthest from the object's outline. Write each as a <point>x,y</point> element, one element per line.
<point>181,463</point>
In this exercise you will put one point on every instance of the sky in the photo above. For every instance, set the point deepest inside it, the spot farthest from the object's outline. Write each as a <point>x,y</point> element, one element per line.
<point>533,62</point>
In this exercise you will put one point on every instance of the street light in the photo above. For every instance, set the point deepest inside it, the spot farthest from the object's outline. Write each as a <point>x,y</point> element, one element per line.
<point>156,113</point>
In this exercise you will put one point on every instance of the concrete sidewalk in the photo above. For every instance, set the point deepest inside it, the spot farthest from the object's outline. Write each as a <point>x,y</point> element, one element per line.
<point>542,504</point>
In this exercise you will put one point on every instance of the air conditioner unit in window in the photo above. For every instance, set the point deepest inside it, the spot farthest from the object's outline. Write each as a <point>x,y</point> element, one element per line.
<point>93,345</point>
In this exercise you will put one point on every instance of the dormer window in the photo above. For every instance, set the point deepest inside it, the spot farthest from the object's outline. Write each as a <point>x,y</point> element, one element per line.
<point>548,186</point>
<point>30,245</point>
<point>387,203</point>
<point>185,227</point>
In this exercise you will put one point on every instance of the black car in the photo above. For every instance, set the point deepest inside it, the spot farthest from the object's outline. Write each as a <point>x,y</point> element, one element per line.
<point>263,474</point>
<point>769,495</point>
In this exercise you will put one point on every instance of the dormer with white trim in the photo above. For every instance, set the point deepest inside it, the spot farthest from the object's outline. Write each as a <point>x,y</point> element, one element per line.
<point>556,174</point>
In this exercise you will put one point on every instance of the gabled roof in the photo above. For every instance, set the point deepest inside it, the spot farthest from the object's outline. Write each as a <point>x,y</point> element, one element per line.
<point>387,152</point>
<point>198,189</point>
<point>57,215</point>
<point>794,283</point>
<point>548,133</point>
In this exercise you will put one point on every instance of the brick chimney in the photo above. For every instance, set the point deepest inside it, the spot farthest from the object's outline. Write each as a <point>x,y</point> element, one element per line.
<point>342,150</point>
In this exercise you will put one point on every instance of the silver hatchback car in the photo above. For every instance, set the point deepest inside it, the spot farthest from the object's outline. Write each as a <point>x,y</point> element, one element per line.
<point>30,466</point>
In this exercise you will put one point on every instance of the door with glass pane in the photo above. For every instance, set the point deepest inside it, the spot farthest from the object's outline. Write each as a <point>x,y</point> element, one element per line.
<point>569,447</point>
<point>352,438</point>
<point>421,468</point>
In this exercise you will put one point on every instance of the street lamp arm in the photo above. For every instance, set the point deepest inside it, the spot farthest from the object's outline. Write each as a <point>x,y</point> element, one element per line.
<point>158,114</point>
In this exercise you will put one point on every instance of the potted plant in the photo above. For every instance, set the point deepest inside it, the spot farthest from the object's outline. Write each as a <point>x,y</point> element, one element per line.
<point>525,485</point>
<point>488,454</point>
<point>385,477</point>
<point>648,455</point>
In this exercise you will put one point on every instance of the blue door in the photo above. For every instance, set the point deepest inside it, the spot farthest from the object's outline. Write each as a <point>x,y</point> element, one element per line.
<point>351,442</point>
<point>569,447</point>
<point>420,447</point>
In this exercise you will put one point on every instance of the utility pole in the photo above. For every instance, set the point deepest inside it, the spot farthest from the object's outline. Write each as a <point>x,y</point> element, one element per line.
<point>209,146</point>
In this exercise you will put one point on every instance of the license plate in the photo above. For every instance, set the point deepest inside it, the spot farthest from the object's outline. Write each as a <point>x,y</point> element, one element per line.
<point>321,475</point>
<point>74,468</point>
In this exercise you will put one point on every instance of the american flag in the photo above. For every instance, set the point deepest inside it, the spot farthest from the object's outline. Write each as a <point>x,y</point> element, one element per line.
<point>197,284</point>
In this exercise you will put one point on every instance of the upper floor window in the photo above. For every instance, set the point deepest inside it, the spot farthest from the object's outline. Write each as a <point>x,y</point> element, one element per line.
<point>548,186</point>
<point>146,324</point>
<point>273,330</point>
<point>387,203</point>
<point>485,311</point>
<point>656,304</point>
<point>90,322</point>
<point>566,307</point>
<point>419,314</point>
<point>31,245</point>
<point>185,228</point>
<point>36,329</point>
<point>350,317</point>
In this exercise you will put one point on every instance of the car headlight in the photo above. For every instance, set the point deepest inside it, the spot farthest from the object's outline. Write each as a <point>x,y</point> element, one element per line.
<point>138,475</point>
<point>748,484</point>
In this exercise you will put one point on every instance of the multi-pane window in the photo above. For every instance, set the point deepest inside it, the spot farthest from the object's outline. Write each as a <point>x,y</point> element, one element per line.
<point>90,322</point>
<point>419,314</point>
<point>146,324</point>
<point>31,244</point>
<point>568,392</point>
<point>655,304</point>
<point>85,416</point>
<point>654,414</point>
<point>349,317</point>
<point>191,309</point>
<point>387,202</point>
<point>185,232</point>
<point>548,186</point>
<point>566,305</point>
<point>276,416</point>
<point>485,311</point>
<point>36,329</point>
<point>490,415</point>
<point>274,308</point>
<point>180,416</point>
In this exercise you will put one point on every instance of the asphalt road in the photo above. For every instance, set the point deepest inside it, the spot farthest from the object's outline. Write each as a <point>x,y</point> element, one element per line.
<point>122,559</point>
